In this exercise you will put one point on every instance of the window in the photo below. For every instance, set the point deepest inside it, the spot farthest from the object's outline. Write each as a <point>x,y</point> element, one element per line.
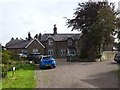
<point>48,58</point>
<point>35,50</point>
<point>71,52</point>
<point>62,52</point>
<point>50,52</point>
<point>69,42</point>
<point>24,51</point>
<point>50,42</point>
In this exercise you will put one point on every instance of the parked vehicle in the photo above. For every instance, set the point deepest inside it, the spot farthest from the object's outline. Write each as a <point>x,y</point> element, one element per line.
<point>22,55</point>
<point>47,61</point>
<point>34,57</point>
<point>117,57</point>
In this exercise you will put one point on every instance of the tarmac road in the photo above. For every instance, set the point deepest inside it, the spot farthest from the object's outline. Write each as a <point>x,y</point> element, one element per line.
<point>79,75</point>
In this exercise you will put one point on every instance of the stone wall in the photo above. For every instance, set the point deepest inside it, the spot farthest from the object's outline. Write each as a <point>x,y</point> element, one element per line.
<point>108,55</point>
<point>35,45</point>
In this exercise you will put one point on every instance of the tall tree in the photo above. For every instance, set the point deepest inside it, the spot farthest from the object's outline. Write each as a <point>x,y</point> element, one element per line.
<point>118,33</point>
<point>95,20</point>
<point>118,28</point>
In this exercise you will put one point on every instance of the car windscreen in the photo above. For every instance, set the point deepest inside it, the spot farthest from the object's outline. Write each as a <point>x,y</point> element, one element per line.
<point>48,58</point>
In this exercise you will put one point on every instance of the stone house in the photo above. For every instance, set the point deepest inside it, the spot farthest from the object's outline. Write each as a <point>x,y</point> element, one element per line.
<point>60,45</point>
<point>25,46</point>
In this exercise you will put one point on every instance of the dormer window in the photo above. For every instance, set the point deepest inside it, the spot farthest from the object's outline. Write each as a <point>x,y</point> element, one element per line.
<point>50,42</point>
<point>70,42</point>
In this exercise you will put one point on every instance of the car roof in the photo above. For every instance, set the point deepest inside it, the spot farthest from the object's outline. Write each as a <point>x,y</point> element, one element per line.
<point>35,54</point>
<point>46,56</point>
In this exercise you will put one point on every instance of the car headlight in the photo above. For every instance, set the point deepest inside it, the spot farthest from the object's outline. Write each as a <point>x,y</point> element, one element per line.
<point>53,62</point>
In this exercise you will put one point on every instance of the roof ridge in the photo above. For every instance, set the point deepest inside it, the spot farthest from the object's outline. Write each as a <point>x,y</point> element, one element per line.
<point>64,34</point>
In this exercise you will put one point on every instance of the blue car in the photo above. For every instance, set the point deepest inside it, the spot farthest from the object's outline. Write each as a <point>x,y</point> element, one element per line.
<point>47,61</point>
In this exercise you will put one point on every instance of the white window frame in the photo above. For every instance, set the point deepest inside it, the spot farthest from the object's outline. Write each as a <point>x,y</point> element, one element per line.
<point>50,52</point>
<point>62,52</point>
<point>50,42</point>
<point>70,42</point>
<point>23,51</point>
<point>35,51</point>
<point>72,52</point>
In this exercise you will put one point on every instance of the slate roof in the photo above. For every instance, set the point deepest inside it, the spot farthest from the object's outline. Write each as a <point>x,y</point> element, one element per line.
<point>60,37</point>
<point>57,37</point>
<point>17,43</point>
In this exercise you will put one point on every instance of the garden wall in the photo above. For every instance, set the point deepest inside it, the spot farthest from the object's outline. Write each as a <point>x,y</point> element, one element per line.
<point>108,55</point>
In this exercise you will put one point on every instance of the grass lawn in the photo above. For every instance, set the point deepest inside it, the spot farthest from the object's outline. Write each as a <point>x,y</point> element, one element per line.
<point>23,78</point>
<point>0,84</point>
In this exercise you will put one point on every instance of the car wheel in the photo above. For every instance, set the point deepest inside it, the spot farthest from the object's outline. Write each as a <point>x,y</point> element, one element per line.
<point>53,66</point>
<point>118,62</point>
<point>41,67</point>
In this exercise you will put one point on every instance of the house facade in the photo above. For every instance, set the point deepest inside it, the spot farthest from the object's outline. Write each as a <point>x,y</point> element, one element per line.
<point>60,45</point>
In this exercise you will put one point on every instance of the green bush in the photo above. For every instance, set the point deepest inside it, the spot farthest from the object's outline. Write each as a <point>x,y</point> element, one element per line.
<point>10,60</point>
<point>5,57</point>
<point>98,55</point>
<point>83,53</point>
<point>4,70</point>
<point>14,56</point>
<point>5,61</point>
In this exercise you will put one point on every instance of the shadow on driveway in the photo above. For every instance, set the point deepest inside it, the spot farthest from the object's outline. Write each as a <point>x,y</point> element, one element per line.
<point>105,80</point>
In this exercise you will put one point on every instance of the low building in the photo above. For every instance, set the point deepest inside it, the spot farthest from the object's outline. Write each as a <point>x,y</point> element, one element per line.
<point>25,46</point>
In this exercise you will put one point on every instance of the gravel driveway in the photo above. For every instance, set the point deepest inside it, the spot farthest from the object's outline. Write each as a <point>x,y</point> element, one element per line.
<point>79,75</point>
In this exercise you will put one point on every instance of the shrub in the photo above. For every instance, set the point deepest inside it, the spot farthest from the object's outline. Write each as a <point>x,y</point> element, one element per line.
<point>5,61</point>
<point>83,53</point>
<point>5,57</point>
<point>9,60</point>
<point>14,56</point>
<point>4,70</point>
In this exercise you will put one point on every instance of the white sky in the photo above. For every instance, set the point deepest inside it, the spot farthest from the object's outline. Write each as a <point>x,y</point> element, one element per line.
<point>18,17</point>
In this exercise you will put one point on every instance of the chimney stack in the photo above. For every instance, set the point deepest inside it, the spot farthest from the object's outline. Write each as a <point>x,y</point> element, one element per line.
<point>55,29</point>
